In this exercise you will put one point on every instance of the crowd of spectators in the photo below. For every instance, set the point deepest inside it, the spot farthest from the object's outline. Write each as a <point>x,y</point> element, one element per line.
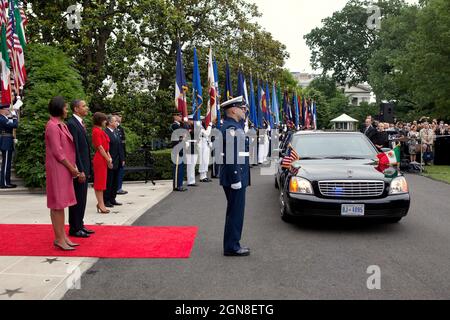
<point>416,137</point>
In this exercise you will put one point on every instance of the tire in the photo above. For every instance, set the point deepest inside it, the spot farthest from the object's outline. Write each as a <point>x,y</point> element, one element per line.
<point>393,220</point>
<point>285,216</point>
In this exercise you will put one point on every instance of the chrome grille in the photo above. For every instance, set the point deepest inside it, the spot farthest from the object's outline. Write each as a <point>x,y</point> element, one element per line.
<point>351,188</point>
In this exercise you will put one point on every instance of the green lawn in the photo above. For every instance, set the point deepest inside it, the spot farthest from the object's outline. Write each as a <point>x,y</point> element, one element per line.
<point>441,173</point>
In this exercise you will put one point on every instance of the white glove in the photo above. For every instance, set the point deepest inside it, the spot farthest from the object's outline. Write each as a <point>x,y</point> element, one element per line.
<point>18,104</point>
<point>236,186</point>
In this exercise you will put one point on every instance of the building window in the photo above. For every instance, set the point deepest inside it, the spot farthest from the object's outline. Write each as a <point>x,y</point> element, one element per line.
<point>355,101</point>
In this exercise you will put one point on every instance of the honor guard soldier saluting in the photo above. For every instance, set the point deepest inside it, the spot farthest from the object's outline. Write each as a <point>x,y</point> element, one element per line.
<point>8,122</point>
<point>178,166</point>
<point>234,174</point>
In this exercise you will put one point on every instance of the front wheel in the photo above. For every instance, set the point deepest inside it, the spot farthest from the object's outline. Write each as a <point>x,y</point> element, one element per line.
<point>283,210</point>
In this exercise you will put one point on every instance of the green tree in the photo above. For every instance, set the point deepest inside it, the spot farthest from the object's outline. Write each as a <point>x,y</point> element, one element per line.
<point>344,43</point>
<point>331,101</point>
<point>50,73</point>
<point>427,63</point>
<point>411,64</point>
<point>132,45</point>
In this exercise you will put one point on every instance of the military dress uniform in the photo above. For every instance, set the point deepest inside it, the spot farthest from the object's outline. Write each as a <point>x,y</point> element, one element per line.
<point>178,166</point>
<point>192,152</point>
<point>205,153</point>
<point>232,173</point>
<point>7,125</point>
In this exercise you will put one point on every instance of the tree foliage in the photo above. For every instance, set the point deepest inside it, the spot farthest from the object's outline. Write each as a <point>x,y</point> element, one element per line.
<point>331,101</point>
<point>51,73</point>
<point>344,43</point>
<point>132,44</point>
<point>411,64</point>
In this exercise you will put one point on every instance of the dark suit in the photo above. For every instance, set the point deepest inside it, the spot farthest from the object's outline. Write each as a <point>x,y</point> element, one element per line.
<point>232,172</point>
<point>7,125</point>
<point>117,155</point>
<point>83,161</point>
<point>381,138</point>
<point>370,132</point>
<point>121,132</point>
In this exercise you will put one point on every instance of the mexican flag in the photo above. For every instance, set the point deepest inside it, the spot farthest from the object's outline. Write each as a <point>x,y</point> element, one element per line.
<point>391,157</point>
<point>5,73</point>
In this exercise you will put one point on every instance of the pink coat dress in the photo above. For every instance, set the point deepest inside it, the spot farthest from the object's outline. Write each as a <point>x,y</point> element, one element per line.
<point>59,145</point>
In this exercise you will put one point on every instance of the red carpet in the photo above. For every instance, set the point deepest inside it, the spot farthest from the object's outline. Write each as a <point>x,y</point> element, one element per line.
<point>107,242</point>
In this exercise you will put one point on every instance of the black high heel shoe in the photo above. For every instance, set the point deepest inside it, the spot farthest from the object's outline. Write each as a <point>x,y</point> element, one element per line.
<point>62,248</point>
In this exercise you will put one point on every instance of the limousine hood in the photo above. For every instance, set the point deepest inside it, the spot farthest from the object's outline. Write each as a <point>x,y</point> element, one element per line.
<point>337,169</point>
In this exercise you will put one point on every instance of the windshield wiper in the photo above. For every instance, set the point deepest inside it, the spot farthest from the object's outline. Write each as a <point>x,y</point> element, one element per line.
<point>345,158</point>
<point>310,158</point>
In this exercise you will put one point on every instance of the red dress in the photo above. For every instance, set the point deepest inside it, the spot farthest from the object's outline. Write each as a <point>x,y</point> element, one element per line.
<point>100,138</point>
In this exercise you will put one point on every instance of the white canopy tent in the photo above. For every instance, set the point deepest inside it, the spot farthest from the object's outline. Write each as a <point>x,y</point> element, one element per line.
<point>345,123</point>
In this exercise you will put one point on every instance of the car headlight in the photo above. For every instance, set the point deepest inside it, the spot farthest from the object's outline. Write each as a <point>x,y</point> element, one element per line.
<point>300,185</point>
<point>398,185</point>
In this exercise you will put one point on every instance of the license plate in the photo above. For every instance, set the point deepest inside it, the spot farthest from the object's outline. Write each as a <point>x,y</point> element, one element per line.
<point>352,210</point>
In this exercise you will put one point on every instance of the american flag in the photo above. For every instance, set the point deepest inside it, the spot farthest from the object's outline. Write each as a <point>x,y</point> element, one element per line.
<point>291,156</point>
<point>3,7</point>
<point>15,51</point>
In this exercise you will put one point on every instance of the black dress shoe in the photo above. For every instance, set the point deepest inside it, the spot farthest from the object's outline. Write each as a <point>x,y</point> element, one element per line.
<point>206,180</point>
<point>109,205</point>
<point>180,189</point>
<point>193,185</point>
<point>12,185</point>
<point>242,252</point>
<point>88,231</point>
<point>122,192</point>
<point>6,187</point>
<point>79,234</point>
<point>115,203</point>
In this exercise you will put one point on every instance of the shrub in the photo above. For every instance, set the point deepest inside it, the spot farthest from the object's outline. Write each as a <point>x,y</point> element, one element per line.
<point>50,73</point>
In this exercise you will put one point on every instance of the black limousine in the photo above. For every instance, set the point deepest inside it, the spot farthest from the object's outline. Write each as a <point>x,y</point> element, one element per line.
<point>339,175</point>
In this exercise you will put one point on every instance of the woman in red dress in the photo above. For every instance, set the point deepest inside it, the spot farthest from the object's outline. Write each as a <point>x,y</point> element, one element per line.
<point>102,159</point>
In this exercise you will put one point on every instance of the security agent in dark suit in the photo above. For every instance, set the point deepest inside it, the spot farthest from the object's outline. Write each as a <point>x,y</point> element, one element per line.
<point>118,158</point>
<point>83,160</point>
<point>178,166</point>
<point>8,122</point>
<point>122,137</point>
<point>234,174</point>
<point>369,130</point>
